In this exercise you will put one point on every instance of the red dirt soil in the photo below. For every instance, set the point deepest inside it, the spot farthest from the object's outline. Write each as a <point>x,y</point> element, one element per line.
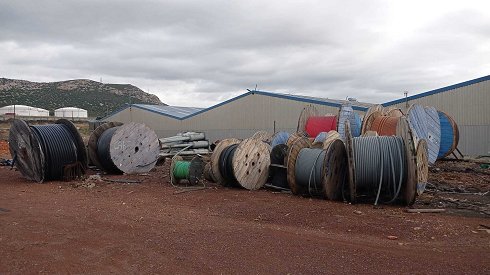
<point>151,228</point>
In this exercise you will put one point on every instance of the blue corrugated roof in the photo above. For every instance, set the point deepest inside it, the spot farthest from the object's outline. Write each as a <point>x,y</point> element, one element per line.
<point>440,90</point>
<point>171,111</point>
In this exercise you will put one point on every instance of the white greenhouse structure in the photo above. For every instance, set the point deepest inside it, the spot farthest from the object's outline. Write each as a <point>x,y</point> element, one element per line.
<point>71,112</point>
<point>23,110</point>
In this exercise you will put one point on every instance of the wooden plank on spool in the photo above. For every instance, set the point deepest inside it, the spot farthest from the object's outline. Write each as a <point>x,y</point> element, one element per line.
<point>26,151</point>
<point>351,168</point>
<point>368,121</point>
<point>215,158</point>
<point>422,166</point>
<point>305,114</point>
<point>263,136</point>
<point>433,133</point>
<point>93,140</point>
<point>334,173</point>
<point>331,137</point>
<point>295,145</point>
<point>409,192</point>
<point>134,148</point>
<point>251,163</point>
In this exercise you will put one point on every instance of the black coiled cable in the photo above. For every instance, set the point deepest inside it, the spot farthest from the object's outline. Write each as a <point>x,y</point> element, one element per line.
<point>59,148</point>
<point>226,165</point>
<point>103,150</point>
<point>279,174</point>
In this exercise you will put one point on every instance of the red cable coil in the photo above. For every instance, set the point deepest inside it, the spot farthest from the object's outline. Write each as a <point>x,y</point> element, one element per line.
<point>385,125</point>
<point>317,124</point>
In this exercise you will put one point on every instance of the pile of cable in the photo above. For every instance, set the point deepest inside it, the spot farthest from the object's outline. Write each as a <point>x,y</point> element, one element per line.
<point>226,165</point>
<point>380,168</point>
<point>185,144</point>
<point>317,124</point>
<point>385,125</point>
<point>310,169</point>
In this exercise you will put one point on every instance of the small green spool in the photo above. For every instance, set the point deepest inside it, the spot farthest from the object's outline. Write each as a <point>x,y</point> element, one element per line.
<point>181,170</point>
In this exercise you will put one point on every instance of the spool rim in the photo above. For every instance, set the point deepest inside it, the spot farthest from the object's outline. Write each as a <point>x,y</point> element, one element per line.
<point>331,181</point>
<point>257,161</point>
<point>31,146</point>
<point>422,165</point>
<point>331,137</point>
<point>81,151</point>
<point>94,139</point>
<point>215,158</point>
<point>308,111</point>
<point>405,132</point>
<point>294,147</point>
<point>196,166</point>
<point>173,180</point>
<point>351,163</point>
<point>368,122</point>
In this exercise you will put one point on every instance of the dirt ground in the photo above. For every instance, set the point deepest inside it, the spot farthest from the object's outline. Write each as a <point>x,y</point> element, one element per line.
<point>98,226</point>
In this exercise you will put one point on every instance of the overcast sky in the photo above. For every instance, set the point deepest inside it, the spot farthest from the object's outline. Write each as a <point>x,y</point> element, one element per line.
<point>199,53</point>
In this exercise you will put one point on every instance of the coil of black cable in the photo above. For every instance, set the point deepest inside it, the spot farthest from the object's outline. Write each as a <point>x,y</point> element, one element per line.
<point>59,148</point>
<point>278,174</point>
<point>103,150</point>
<point>226,165</point>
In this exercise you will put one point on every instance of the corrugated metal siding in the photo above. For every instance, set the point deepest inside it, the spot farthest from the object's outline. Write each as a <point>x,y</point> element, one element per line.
<point>240,118</point>
<point>469,106</point>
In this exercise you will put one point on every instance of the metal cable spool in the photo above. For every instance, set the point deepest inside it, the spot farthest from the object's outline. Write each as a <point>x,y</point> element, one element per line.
<point>385,125</point>
<point>322,172</point>
<point>130,148</point>
<point>48,152</point>
<point>278,172</point>
<point>449,135</point>
<point>191,171</point>
<point>317,124</point>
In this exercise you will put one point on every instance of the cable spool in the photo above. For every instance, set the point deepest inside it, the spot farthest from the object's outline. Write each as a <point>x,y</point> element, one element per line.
<point>191,171</point>
<point>372,109</point>
<point>433,133</point>
<point>279,138</point>
<point>323,140</point>
<point>130,148</point>
<point>393,112</point>
<point>382,168</point>
<point>346,113</point>
<point>208,173</point>
<point>215,158</point>
<point>226,165</point>
<point>295,144</point>
<point>449,135</point>
<point>317,124</point>
<point>308,111</point>
<point>322,172</point>
<point>47,152</point>
<point>278,170</point>
<point>385,125</point>
<point>263,136</point>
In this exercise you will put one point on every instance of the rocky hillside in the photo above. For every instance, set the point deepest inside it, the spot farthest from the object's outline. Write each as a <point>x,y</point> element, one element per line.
<point>98,98</point>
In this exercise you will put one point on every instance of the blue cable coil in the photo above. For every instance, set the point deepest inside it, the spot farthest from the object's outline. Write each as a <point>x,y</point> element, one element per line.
<point>279,138</point>
<point>447,135</point>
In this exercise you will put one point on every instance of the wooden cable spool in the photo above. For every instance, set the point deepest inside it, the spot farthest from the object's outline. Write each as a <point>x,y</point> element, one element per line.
<point>306,113</point>
<point>331,137</point>
<point>422,166</point>
<point>251,163</point>
<point>133,148</point>
<point>215,158</point>
<point>208,172</point>
<point>385,125</point>
<point>409,193</point>
<point>372,109</point>
<point>393,112</point>
<point>295,144</point>
<point>263,136</point>
<point>94,137</point>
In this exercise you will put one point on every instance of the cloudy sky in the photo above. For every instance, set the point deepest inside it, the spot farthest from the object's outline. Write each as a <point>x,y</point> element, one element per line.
<point>198,53</point>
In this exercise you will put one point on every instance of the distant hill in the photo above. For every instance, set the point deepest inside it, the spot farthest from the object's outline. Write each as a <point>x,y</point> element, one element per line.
<point>96,97</point>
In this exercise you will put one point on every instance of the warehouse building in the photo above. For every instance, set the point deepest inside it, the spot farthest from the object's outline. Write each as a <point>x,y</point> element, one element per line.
<point>238,117</point>
<point>468,104</point>
<point>23,110</point>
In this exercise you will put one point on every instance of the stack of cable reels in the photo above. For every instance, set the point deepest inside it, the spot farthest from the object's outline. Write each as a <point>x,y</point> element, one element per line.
<point>191,171</point>
<point>129,148</point>
<point>295,144</point>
